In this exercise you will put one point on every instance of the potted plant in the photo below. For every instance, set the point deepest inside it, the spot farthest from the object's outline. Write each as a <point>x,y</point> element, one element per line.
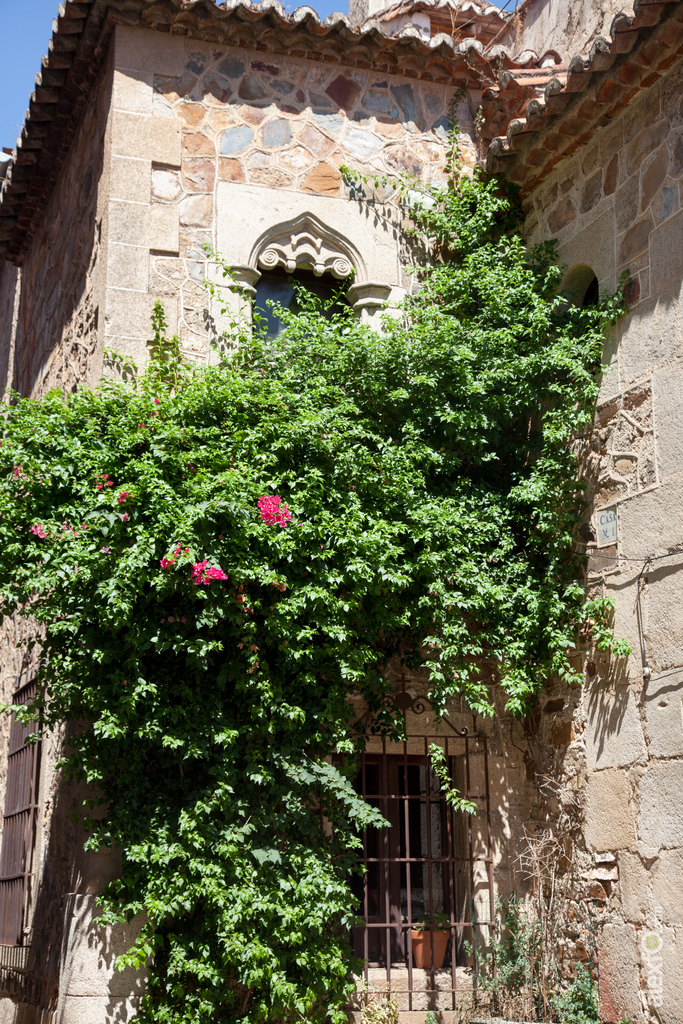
<point>427,935</point>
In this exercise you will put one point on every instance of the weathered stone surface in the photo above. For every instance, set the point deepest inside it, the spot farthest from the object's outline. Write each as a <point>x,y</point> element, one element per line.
<point>316,141</point>
<point>360,144</point>
<point>611,175</point>
<point>236,140</point>
<point>277,132</point>
<point>654,175</point>
<point>635,240</point>
<point>331,123</point>
<point>676,150</point>
<point>216,88</point>
<point>192,113</point>
<point>231,67</point>
<point>400,159</point>
<point>283,88</point>
<point>592,191</point>
<point>665,203</point>
<point>297,158</point>
<point>618,970</point>
<point>434,104</point>
<point>407,101</point>
<point>563,214</point>
<point>664,628</point>
<point>198,144</point>
<point>378,101</point>
<point>661,807</point>
<point>199,175</point>
<point>627,203</point>
<point>130,179</point>
<point>272,176</point>
<point>634,880</point>
<point>323,179</point>
<point>645,521</point>
<point>344,91</point>
<point>646,141</point>
<point>196,211</point>
<point>671,1009</point>
<point>562,734</point>
<point>151,138</point>
<point>609,820</point>
<point>593,247</point>
<point>614,737</point>
<point>649,337</point>
<point>666,257</point>
<point>259,159</point>
<point>133,91</point>
<point>230,170</point>
<point>667,886</point>
<point>166,184</point>
<point>252,89</point>
<point>668,388</point>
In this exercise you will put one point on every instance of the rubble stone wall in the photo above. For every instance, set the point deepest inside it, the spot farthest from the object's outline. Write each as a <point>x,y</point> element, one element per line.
<point>616,206</point>
<point>217,146</point>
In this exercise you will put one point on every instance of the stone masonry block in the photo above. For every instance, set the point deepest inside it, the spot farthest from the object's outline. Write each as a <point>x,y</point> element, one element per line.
<point>89,953</point>
<point>614,738</point>
<point>87,1009</point>
<point>634,881</point>
<point>133,91</point>
<point>664,707</point>
<point>130,179</point>
<point>619,969</point>
<point>661,807</point>
<point>666,257</point>
<point>141,49</point>
<point>668,395</point>
<point>150,138</point>
<point>609,820</point>
<point>667,890</point>
<point>649,337</point>
<point>164,228</point>
<point>646,525</point>
<point>129,223</point>
<point>128,266</point>
<point>664,624</point>
<point>594,247</point>
<point>671,1010</point>
<point>128,315</point>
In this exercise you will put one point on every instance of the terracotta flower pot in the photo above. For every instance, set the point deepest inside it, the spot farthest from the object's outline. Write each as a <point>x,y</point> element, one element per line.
<point>422,948</point>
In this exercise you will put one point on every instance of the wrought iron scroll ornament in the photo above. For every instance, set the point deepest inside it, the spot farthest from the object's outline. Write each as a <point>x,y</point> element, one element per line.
<point>405,702</point>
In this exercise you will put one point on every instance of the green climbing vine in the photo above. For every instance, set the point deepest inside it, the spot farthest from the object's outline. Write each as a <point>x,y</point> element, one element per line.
<point>217,558</point>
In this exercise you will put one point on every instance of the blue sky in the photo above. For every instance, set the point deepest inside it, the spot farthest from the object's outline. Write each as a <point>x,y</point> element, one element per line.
<point>26,29</point>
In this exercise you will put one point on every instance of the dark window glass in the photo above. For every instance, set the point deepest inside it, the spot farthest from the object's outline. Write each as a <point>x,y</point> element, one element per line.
<point>278,286</point>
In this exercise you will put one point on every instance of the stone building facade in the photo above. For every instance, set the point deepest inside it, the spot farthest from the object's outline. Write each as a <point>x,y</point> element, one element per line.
<point>159,128</point>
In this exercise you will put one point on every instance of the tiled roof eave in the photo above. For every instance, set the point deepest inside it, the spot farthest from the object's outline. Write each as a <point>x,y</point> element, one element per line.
<point>542,130</point>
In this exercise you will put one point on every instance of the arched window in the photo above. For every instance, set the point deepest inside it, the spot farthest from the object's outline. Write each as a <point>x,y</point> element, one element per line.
<point>279,286</point>
<point>581,286</point>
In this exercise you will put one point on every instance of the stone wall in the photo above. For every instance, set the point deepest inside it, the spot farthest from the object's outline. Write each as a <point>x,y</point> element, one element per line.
<point>62,279</point>
<point>564,27</point>
<point>218,146</point>
<point>616,206</point>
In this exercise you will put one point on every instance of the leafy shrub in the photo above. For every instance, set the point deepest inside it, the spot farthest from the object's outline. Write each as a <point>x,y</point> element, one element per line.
<point>212,642</point>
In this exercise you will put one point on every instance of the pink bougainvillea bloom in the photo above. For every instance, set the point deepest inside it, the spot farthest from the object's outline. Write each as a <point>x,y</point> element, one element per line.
<point>125,518</point>
<point>167,563</point>
<point>105,550</point>
<point>200,574</point>
<point>122,497</point>
<point>18,470</point>
<point>38,530</point>
<point>156,401</point>
<point>273,510</point>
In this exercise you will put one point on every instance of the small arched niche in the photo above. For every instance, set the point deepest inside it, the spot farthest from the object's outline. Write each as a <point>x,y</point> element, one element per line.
<point>580,286</point>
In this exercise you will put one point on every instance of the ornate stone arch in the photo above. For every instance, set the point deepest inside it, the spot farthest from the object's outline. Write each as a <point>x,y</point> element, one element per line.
<point>306,243</point>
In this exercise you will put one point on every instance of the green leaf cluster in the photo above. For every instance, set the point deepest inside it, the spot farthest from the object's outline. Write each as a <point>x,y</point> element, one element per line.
<point>430,477</point>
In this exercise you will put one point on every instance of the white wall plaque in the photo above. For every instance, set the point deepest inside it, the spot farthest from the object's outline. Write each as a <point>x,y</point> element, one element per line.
<point>607,527</point>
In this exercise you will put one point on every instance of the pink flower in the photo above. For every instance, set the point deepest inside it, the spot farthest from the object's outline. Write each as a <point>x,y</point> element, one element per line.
<point>274,511</point>
<point>183,620</point>
<point>122,497</point>
<point>167,563</point>
<point>156,401</point>
<point>18,470</point>
<point>200,574</point>
<point>38,530</point>
<point>105,550</point>
<point>125,518</point>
